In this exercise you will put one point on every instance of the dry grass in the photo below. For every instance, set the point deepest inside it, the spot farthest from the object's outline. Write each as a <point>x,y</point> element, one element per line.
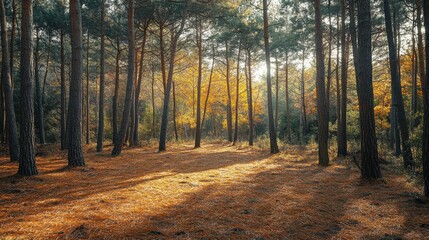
<point>216,192</point>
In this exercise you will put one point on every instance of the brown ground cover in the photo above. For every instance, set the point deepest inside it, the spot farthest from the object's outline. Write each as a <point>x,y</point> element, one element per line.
<point>216,192</point>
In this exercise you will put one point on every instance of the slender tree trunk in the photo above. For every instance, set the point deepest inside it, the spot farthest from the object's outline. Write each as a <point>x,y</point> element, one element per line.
<point>87,90</point>
<point>272,131</point>
<point>329,77</point>
<point>130,82</point>
<point>420,47</point>
<point>153,104</point>
<point>199,40</point>
<point>27,160</point>
<point>337,80</point>
<point>116,92</point>
<point>370,165</point>
<point>12,39</point>
<point>425,85</point>
<point>237,94</point>
<point>100,132</point>
<point>63,93</point>
<point>45,77</point>
<point>138,89</point>
<point>250,96</point>
<point>322,117</point>
<point>276,115</point>
<point>288,131</point>
<point>342,131</point>
<point>228,106</point>
<point>209,87</point>
<point>396,90</point>
<point>8,92</point>
<point>39,104</point>
<point>173,46</point>
<point>162,53</point>
<point>176,136</point>
<point>414,96</point>
<point>302,119</point>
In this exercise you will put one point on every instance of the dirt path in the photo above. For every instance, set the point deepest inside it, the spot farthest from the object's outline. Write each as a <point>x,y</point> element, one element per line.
<point>216,192</point>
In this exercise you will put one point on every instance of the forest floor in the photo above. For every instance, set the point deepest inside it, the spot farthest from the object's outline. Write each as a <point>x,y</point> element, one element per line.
<point>215,192</point>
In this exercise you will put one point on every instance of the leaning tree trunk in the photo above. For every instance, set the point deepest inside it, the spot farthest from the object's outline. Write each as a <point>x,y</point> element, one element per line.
<point>425,148</point>
<point>208,87</point>
<point>27,161</point>
<point>322,118</point>
<point>272,131</point>
<point>164,119</point>
<point>100,130</point>
<point>370,165</point>
<point>342,131</point>
<point>74,123</point>
<point>397,92</point>
<point>7,88</point>
<point>130,82</point>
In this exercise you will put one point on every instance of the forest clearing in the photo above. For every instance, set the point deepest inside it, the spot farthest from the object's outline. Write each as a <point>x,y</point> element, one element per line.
<point>215,192</point>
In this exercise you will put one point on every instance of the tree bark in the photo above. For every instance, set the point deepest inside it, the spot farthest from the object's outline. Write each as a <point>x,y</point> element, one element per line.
<point>208,87</point>
<point>421,49</point>
<point>63,93</point>
<point>130,82</point>
<point>153,105</point>
<point>7,88</point>
<point>74,123</point>
<point>173,46</point>
<point>116,92</point>
<point>276,115</point>
<point>138,88</point>
<point>396,90</point>
<point>100,132</point>
<point>199,40</point>
<point>39,105</point>
<point>12,38</point>
<point>27,160</point>
<point>87,91</point>
<point>342,131</point>
<point>370,165</point>
<point>228,105</point>
<point>237,94</point>
<point>329,77</point>
<point>250,96</point>
<point>272,131</point>
<point>322,117</point>
<point>425,149</point>
<point>288,131</point>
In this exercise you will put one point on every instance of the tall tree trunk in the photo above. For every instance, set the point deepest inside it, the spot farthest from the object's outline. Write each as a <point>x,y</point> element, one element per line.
<point>425,85</point>
<point>100,132</point>
<point>276,114</point>
<point>414,96</point>
<point>322,117</point>
<point>130,82</point>
<point>342,131</point>
<point>209,87</point>
<point>337,80</point>
<point>250,96</point>
<point>288,131</point>
<point>138,88</point>
<point>420,47</point>
<point>329,77</point>
<point>74,123</point>
<point>27,160</point>
<point>8,92</point>
<point>173,46</point>
<point>12,38</point>
<point>272,131</point>
<point>48,59</point>
<point>370,165</point>
<point>116,92</point>
<point>63,93</point>
<point>396,90</point>
<point>228,105</point>
<point>302,119</point>
<point>39,104</point>
<point>162,53</point>
<point>87,90</point>
<point>199,40</point>
<point>153,104</point>
<point>237,94</point>
<point>176,136</point>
